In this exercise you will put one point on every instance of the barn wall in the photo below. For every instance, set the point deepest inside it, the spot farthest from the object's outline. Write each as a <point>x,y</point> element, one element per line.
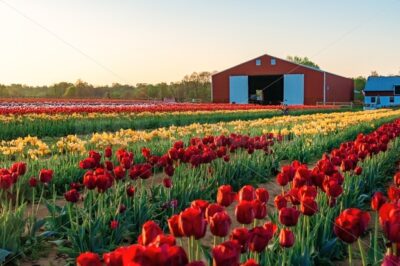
<point>339,89</point>
<point>313,80</point>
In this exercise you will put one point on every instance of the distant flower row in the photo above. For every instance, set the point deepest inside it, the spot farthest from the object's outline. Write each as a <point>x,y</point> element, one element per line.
<point>52,106</point>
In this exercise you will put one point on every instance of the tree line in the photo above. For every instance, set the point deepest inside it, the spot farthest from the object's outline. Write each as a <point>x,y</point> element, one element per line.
<point>196,86</point>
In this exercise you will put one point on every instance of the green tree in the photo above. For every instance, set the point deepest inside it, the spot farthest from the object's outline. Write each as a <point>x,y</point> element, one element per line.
<point>374,73</point>
<point>302,61</point>
<point>359,85</point>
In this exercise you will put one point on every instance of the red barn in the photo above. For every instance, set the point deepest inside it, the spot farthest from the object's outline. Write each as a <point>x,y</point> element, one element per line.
<point>271,80</point>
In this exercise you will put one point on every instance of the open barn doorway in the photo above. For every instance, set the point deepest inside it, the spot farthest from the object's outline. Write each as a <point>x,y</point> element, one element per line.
<point>266,89</point>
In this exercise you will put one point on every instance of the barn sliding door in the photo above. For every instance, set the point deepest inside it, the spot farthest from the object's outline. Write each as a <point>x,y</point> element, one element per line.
<point>238,89</point>
<point>293,89</point>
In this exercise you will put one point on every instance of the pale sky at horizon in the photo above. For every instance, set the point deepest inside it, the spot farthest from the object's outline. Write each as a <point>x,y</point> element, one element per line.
<point>154,41</point>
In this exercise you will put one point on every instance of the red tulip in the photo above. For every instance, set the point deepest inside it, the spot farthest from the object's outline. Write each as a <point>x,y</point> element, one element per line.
<point>391,260</point>
<point>72,195</point>
<point>288,216</point>
<point>164,240</point>
<point>289,171</point>
<point>397,179</point>
<point>293,196</point>
<point>271,228</point>
<point>45,175</point>
<point>247,193</point>
<point>280,202</point>
<point>225,195</point>
<point>242,236</point>
<point>394,193</point>
<point>282,179</point>
<point>351,224</point>
<point>244,212</point>
<point>167,182</point>
<point>250,262</point>
<point>95,155</point>
<point>108,152</point>
<point>226,158</point>
<point>109,165</point>
<point>103,182</point>
<point>262,194</point>
<point>19,168</point>
<point>192,223</point>
<point>173,225</point>
<point>384,211</point>
<point>126,162</point>
<point>114,224</point>
<point>146,153</point>
<point>391,226</point>
<point>307,192</point>
<point>201,204</point>
<point>220,223</point>
<point>154,255</point>
<point>169,170</point>
<point>332,187</point>
<point>346,165</point>
<point>308,206</point>
<point>286,238</point>
<point>33,182</point>
<point>378,199</point>
<point>119,172</point>
<point>176,256</point>
<point>260,209</point>
<point>114,258</point>
<point>89,180</point>
<point>259,238</point>
<point>150,230</point>
<point>88,259</point>
<point>130,191</point>
<point>87,163</point>
<point>212,209</point>
<point>227,253</point>
<point>6,181</point>
<point>302,177</point>
<point>358,170</point>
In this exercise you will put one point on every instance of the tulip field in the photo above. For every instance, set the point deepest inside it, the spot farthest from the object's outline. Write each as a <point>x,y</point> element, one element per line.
<point>128,183</point>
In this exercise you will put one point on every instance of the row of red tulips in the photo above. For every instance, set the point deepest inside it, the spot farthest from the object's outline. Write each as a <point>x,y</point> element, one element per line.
<point>301,199</point>
<point>47,106</point>
<point>199,151</point>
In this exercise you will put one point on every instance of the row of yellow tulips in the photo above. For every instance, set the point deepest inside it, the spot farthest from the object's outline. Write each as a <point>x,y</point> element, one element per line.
<point>309,125</point>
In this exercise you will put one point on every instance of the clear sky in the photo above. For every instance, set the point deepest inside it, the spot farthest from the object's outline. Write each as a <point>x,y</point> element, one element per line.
<point>99,41</point>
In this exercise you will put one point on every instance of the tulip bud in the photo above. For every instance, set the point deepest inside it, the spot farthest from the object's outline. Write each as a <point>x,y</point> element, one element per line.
<point>244,212</point>
<point>288,216</point>
<point>262,195</point>
<point>220,223</point>
<point>377,200</point>
<point>280,202</point>
<point>88,258</point>
<point>72,196</point>
<point>286,238</point>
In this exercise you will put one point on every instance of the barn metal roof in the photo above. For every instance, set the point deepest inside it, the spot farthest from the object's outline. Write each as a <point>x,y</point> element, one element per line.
<point>288,61</point>
<point>382,83</point>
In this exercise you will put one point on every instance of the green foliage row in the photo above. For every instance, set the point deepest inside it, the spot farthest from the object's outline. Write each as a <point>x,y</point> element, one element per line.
<point>70,125</point>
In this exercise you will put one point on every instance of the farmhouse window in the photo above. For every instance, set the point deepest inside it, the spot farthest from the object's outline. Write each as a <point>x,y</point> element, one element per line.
<point>273,61</point>
<point>258,62</point>
<point>391,99</point>
<point>373,99</point>
<point>397,89</point>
